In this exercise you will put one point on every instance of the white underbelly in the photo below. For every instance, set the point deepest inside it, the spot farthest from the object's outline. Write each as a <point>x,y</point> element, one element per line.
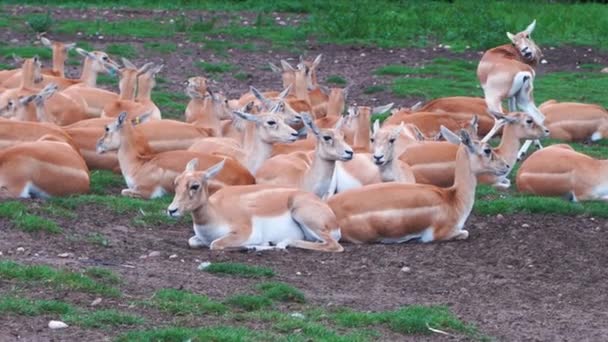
<point>345,181</point>
<point>274,229</point>
<point>424,236</point>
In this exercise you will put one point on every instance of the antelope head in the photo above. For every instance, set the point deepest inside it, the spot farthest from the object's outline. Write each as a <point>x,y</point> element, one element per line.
<point>60,50</point>
<point>196,87</point>
<point>271,127</point>
<point>330,142</point>
<point>101,61</point>
<point>32,67</point>
<point>310,68</point>
<point>482,158</point>
<point>112,136</point>
<point>526,47</point>
<point>191,188</point>
<point>524,126</point>
<point>383,142</point>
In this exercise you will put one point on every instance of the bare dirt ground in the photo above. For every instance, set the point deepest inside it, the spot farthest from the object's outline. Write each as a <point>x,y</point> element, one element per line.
<point>518,277</point>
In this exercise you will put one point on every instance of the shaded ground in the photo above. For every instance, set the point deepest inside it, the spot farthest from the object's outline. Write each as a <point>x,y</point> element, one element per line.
<point>520,277</point>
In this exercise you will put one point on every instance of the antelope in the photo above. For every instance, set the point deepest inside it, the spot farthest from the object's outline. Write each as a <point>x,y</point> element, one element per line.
<point>463,104</point>
<point>382,165</point>
<point>434,162</point>
<point>150,175</point>
<point>196,89</point>
<point>95,98</point>
<point>252,216</point>
<point>429,123</point>
<point>264,130</point>
<point>208,111</point>
<point>15,132</point>
<point>310,171</point>
<point>558,170</point>
<point>397,213</point>
<point>126,85</point>
<point>571,121</point>
<point>507,72</point>
<point>41,169</point>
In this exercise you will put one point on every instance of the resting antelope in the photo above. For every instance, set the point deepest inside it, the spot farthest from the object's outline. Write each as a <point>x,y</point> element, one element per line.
<point>558,170</point>
<point>429,123</point>
<point>470,106</point>
<point>150,175</point>
<point>261,133</point>
<point>126,85</point>
<point>15,132</point>
<point>396,213</point>
<point>434,162</point>
<point>41,169</point>
<point>571,121</point>
<point>310,171</point>
<point>252,216</point>
<point>381,165</point>
<point>507,72</point>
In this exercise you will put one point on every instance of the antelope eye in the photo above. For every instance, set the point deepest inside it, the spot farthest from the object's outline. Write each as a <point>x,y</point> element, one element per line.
<point>107,129</point>
<point>372,139</point>
<point>487,151</point>
<point>10,103</point>
<point>392,141</point>
<point>326,138</point>
<point>271,122</point>
<point>194,187</point>
<point>529,121</point>
<point>105,58</point>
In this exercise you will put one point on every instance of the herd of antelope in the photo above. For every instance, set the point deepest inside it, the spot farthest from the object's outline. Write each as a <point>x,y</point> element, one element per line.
<point>295,167</point>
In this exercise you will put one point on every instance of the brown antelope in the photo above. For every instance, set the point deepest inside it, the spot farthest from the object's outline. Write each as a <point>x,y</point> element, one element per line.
<point>434,162</point>
<point>96,98</point>
<point>382,165</point>
<point>41,169</point>
<point>264,130</point>
<point>196,89</point>
<point>60,55</point>
<point>507,72</point>
<point>143,101</point>
<point>396,213</point>
<point>252,216</point>
<point>209,111</point>
<point>429,123</point>
<point>310,171</point>
<point>558,170</point>
<point>463,104</point>
<point>128,80</point>
<point>571,121</point>
<point>15,132</point>
<point>150,175</point>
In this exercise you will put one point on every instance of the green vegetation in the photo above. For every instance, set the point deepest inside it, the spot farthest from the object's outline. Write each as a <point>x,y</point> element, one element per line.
<point>121,50</point>
<point>7,51</point>
<point>241,76</point>
<point>40,22</point>
<point>214,67</point>
<point>220,333</point>
<point>105,182</point>
<point>239,270</point>
<point>177,302</point>
<point>161,47</point>
<point>17,212</point>
<point>137,28</point>
<point>249,302</point>
<point>172,105</point>
<point>281,292</point>
<point>102,318</point>
<point>374,89</point>
<point>103,275</point>
<point>61,279</point>
<point>335,79</point>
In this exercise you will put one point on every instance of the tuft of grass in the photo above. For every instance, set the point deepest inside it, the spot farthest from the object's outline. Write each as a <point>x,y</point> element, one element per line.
<point>161,47</point>
<point>102,318</point>
<point>17,213</point>
<point>103,275</point>
<point>40,22</point>
<point>281,292</point>
<point>177,302</point>
<point>61,279</point>
<point>248,302</point>
<point>172,105</point>
<point>25,307</point>
<point>335,79</point>
<point>217,333</point>
<point>415,319</point>
<point>374,89</point>
<point>121,50</point>
<point>98,239</point>
<point>139,28</point>
<point>103,182</point>
<point>25,51</point>
<point>105,79</point>
<point>241,76</point>
<point>239,270</point>
<point>214,67</point>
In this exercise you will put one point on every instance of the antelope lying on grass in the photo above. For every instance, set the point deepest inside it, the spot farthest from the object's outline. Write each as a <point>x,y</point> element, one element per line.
<point>507,72</point>
<point>460,105</point>
<point>41,169</point>
<point>429,123</point>
<point>15,132</point>
<point>252,216</point>
<point>382,165</point>
<point>434,162</point>
<point>127,83</point>
<point>396,213</point>
<point>261,133</point>
<point>558,170</point>
<point>150,175</point>
<point>571,121</point>
<point>310,171</point>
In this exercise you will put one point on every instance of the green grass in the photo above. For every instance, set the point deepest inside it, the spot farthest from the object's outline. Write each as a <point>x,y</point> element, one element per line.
<point>178,334</point>
<point>335,79</point>
<point>374,89</point>
<point>102,318</point>
<point>281,292</point>
<point>248,302</point>
<point>98,239</point>
<point>103,275</point>
<point>25,307</point>
<point>105,182</point>
<point>40,22</point>
<point>241,76</point>
<point>17,213</point>
<point>121,50</point>
<point>61,279</point>
<point>180,303</point>
<point>25,51</point>
<point>215,68</point>
<point>172,105</point>
<point>137,28</point>
<point>104,79</point>
<point>239,270</point>
<point>161,47</point>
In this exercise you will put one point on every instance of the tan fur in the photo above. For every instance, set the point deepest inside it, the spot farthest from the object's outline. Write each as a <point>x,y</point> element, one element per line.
<point>571,121</point>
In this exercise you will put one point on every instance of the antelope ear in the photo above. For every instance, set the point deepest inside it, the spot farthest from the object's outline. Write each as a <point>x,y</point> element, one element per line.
<point>449,135</point>
<point>466,140</point>
<point>258,95</point>
<point>192,165</point>
<point>121,119</point>
<point>145,68</point>
<point>127,63</point>
<point>317,61</point>
<point>275,68</point>
<point>17,59</point>
<point>416,106</point>
<point>346,91</point>
<point>286,66</point>
<point>46,42</point>
<point>245,116</point>
<point>382,109</point>
<point>530,27</point>
<point>69,46</point>
<point>475,121</point>
<point>375,127</point>
<point>141,119</point>
<point>496,115</point>
<point>214,170</point>
<point>157,69</point>
<point>284,93</point>
<point>307,119</point>
<point>511,37</point>
<point>85,53</point>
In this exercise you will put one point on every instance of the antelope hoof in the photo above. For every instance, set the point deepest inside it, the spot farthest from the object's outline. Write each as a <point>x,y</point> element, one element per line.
<point>282,244</point>
<point>259,248</point>
<point>195,242</point>
<point>463,235</point>
<point>130,193</point>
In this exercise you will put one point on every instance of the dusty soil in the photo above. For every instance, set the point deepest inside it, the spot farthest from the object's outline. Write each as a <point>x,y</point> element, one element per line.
<point>518,278</point>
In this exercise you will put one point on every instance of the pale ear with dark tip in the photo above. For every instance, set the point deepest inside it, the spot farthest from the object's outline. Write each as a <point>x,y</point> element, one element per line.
<point>286,66</point>
<point>530,27</point>
<point>466,140</point>
<point>121,119</point>
<point>375,127</point>
<point>382,109</point>
<point>127,63</point>
<point>85,53</point>
<point>245,116</point>
<point>449,135</point>
<point>416,106</point>
<point>213,171</point>
<point>69,46</point>
<point>258,95</point>
<point>192,165</point>
<point>275,68</point>
<point>307,119</point>
<point>46,42</point>
<point>317,61</point>
<point>511,37</point>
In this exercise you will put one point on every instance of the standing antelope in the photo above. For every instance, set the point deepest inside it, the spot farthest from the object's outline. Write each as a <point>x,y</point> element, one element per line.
<point>396,213</point>
<point>507,72</point>
<point>311,171</point>
<point>150,175</point>
<point>252,216</point>
<point>558,170</point>
<point>41,169</point>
